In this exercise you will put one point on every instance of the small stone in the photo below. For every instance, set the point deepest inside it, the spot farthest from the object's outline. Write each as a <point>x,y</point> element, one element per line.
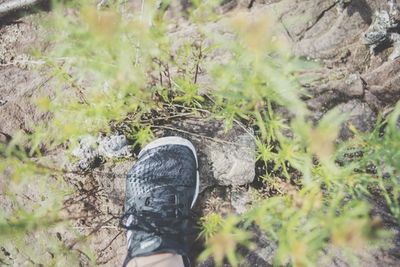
<point>241,199</point>
<point>91,150</point>
<point>381,29</point>
<point>102,4</point>
<point>377,33</point>
<point>86,152</point>
<point>233,163</point>
<point>355,85</point>
<point>265,250</point>
<point>342,4</point>
<point>395,38</point>
<point>114,146</point>
<point>393,8</point>
<point>361,117</point>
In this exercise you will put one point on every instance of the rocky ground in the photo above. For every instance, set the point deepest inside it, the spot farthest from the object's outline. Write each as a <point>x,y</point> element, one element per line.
<point>349,77</point>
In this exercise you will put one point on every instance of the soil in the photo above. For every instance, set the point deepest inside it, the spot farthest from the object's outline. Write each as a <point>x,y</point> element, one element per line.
<point>349,78</point>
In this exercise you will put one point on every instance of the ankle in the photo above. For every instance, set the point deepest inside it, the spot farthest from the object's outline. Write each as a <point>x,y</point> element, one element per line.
<point>157,260</point>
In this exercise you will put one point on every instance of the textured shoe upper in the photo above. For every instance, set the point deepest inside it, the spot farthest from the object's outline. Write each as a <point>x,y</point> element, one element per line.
<point>160,189</point>
<point>162,166</point>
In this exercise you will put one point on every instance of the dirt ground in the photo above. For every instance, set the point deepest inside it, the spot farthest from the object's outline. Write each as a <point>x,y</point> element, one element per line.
<point>349,78</point>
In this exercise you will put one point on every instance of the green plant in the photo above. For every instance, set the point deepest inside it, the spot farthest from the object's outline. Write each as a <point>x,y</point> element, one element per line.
<point>377,161</point>
<point>222,238</point>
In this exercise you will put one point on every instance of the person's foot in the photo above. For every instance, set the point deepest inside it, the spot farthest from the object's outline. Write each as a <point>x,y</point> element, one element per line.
<point>161,188</point>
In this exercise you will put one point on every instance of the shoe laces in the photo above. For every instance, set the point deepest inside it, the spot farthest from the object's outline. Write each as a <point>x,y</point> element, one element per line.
<point>159,211</point>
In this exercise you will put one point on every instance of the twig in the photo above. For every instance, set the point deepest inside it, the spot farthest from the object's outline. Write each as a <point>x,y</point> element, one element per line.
<point>191,108</point>
<point>29,93</point>
<point>95,229</point>
<point>179,115</point>
<point>83,253</point>
<point>92,193</point>
<point>112,240</point>
<point>199,57</point>
<point>217,140</point>
<point>68,77</point>
<point>7,137</point>
<point>138,44</point>
<point>286,30</point>
<point>77,88</point>
<point>45,168</point>
<point>250,5</point>
<point>245,129</point>
<point>12,6</point>
<point>168,76</point>
<point>160,73</point>
<point>24,61</point>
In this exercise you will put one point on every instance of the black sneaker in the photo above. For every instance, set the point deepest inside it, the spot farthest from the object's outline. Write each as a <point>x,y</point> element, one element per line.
<point>161,188</point>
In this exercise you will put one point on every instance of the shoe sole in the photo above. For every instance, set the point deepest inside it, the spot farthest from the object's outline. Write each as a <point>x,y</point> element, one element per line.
<point>175,140</point>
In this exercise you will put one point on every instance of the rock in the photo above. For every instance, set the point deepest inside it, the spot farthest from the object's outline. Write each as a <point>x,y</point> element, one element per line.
<point>377,33</point>
<point>321,31</point>
<point>384,82</point>
<point>233,163</point>
<point>226,158</point>
<point>260,256</point>
<point>355,86</point>
<point>372,101</point>
<point>395,37</point>
<point>86,152</point>
<point>342,4</point>
<point>264,253</point>
<point>383,30</point>
<point>91,150</point>
<point>241,198</point>
<point>329,94</point>
<point>361,117</point>
<point>114,146</point>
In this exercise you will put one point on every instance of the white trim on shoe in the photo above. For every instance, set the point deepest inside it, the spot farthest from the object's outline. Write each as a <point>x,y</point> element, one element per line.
<point>176,140</point>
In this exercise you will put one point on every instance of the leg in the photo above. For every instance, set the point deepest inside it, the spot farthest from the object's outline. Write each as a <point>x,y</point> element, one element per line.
<point>158,260</point>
